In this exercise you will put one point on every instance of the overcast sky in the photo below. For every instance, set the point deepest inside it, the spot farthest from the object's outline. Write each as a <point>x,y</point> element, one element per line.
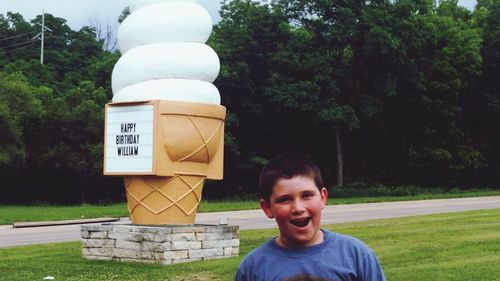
<point>82,12</point>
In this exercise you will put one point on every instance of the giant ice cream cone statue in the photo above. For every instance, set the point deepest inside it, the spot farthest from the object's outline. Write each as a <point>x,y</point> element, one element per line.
<point>165,107</point>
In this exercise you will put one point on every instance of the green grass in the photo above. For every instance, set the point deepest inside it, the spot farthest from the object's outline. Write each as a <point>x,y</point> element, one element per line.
<point>456,246</point>
<point>12,214</point>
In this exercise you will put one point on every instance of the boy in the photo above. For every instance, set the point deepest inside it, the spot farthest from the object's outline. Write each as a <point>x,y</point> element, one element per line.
<point>292,192</point>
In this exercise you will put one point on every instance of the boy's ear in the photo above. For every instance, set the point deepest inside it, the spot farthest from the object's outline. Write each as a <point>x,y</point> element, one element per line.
<point>266,207</point>
<point>324,196</point>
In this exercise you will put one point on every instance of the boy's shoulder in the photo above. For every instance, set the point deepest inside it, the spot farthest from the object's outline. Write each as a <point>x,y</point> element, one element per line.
<point>333,241</point>
<point>338,257</point>
<point>261,250</point>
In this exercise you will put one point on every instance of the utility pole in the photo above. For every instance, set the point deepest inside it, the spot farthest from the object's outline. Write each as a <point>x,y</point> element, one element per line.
<point>41,36</point>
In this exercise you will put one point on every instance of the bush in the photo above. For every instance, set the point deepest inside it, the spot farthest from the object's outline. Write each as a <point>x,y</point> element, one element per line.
<point>362,189</point>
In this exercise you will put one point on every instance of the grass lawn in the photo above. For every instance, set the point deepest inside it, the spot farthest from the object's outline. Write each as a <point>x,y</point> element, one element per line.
<point>455,246</point>
<point>12,214</point>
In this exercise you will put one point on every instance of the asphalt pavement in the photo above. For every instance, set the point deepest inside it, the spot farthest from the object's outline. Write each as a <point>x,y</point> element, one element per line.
<point>255,219</point>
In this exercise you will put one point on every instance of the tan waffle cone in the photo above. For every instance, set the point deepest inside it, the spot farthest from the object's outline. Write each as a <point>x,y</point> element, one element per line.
<point>191,137</point>
<point>163,200</point>
<point>188,149</point>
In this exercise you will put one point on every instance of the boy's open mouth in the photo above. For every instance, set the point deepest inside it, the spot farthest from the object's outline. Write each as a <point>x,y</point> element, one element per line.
<point>301,222</point>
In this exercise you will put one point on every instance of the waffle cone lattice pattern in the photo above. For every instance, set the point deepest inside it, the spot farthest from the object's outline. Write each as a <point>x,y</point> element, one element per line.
<point>163,200</point>
<point>191,138</point>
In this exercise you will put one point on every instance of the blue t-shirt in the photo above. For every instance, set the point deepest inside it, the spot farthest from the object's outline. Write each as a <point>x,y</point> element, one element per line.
<point>338,258</point>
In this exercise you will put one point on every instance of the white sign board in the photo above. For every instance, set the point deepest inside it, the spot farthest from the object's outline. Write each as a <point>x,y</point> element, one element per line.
<point>129,139</point>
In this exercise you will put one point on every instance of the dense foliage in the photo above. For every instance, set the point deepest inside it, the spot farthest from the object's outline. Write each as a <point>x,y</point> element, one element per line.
<point>52,114</point>
<point>391,92</point>
<point>399,92</point>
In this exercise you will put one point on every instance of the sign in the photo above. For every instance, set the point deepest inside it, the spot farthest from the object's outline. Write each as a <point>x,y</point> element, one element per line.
<point>129,139</point>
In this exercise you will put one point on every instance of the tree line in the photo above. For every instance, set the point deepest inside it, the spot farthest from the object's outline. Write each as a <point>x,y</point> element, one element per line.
<point>399,92</point>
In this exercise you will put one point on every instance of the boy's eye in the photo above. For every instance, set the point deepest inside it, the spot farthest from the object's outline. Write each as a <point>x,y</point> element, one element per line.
<point>282,199</point>
<point>308,194</point>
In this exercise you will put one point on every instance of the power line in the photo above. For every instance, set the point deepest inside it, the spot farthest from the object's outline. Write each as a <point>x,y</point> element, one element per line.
<point>15,36</point>
<point>72,40</point>
<point>27,46</point>
<point>18,44</point>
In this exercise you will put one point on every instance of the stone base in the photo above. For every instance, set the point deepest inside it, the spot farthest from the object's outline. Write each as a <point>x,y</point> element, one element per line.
<point>161,244</point>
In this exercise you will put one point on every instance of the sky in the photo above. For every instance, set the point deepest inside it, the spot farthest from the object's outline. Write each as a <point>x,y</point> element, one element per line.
<point>78,13</point>
<point>84,12</point>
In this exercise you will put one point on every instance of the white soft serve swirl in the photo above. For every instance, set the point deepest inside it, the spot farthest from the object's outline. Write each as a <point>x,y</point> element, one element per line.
<point>164,55</point>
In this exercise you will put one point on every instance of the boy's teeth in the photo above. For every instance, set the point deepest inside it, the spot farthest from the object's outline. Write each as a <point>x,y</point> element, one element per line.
<point>301,222</point>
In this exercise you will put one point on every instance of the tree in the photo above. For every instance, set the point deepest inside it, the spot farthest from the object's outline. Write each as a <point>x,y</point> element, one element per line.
<point>442,63</point>
<point>16,38</point>
<point>336,29</point>
<point>483,110</point>
<point>245,40</point>
<point>397,92</point>
<point>105,34</point>
<point>450,8</point>
<point>17,108</point>
<point>60,140</point>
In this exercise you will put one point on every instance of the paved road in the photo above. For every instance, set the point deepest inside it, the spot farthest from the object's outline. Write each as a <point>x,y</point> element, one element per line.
<point>255,219</point>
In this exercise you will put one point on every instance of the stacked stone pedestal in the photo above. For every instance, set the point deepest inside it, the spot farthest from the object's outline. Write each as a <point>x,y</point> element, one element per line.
<point>168,244</point>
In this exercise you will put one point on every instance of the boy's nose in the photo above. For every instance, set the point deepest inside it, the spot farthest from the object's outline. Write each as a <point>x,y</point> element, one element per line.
<point>298,206</point>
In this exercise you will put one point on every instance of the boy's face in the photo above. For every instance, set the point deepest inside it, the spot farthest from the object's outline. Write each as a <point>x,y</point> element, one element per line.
<point>296,206</point>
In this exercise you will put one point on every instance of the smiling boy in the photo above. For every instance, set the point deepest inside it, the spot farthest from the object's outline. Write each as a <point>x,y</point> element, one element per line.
<point>292,192</point>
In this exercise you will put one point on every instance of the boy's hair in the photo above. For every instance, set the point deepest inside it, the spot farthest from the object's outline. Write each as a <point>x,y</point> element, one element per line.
<point>287,166</point>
